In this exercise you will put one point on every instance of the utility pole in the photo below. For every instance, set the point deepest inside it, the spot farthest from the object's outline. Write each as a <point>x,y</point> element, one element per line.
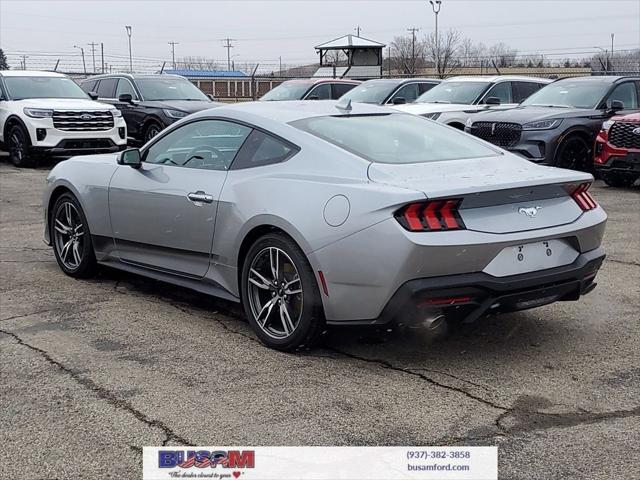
<point>612,67</point>
<point>228,46</point>
<point>357,29</point>
<point>102,55</point>
<point>128,28</point>
<point>389,57</point>
<point>24,62</point>
<point>93,53</point>
<point>413,48</point>
<point>435,5</point>
<point>173,53</point>
<point>280,71</point>
<point>84,65</point>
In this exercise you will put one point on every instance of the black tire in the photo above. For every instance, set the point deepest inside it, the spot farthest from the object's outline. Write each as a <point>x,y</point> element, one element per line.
<point>152,129</point>
<point>87,266</point>
<point>19,144</point>
<point>614,179</point>
<point>310,320</point>
<point>574,153</point>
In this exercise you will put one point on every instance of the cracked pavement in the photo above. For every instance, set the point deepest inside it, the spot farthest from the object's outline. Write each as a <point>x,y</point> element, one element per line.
<point>119,362</point>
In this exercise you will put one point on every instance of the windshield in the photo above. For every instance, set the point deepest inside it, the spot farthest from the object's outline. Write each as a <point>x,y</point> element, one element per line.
<point>466,93</point>
<point>569,94</point>
<point>169,89</point>
<point>287,91</point>
<point>395,138</point>
<point>370,92</point>
<point>20,88</point>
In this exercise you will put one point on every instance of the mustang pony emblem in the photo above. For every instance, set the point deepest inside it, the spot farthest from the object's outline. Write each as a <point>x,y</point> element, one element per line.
<point>529,211</point>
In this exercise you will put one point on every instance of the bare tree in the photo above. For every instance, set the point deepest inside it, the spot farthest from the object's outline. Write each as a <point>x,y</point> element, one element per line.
<point>502,55</point>
<point>408,56</point>
<point>447,51</point>
<point>198,63</point>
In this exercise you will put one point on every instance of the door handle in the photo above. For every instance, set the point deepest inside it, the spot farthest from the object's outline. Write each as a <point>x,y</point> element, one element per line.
<point>200,197</point>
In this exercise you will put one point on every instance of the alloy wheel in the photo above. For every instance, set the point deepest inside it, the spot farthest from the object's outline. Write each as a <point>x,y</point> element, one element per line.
<point>574,154</point>
<point>68,233</point>
<point>17,148</point>
<point>275,292</point>
<point>152,131</point>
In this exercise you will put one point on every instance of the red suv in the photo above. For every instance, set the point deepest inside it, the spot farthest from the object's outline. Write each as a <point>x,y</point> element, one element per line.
<point>617,150</point>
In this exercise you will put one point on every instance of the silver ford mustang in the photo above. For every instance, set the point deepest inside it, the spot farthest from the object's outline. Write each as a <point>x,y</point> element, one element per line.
<point>316,213</point>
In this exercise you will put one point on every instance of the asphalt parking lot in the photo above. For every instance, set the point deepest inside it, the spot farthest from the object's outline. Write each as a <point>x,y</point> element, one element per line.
<point>92,371</point>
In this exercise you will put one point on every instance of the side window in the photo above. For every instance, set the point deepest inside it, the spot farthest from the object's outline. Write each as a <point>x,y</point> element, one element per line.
<point>205,144</point>
<point>425,87</point>
<point>625,93</point>
<point>262,149</point>
<point>408,92</point>
<point>523,90</point>
<point>124,86</point>
<point>340,89</point>
<point>107,87</point>
<point>502,91</point>
<point>321,92</point>
<point>89,86</point>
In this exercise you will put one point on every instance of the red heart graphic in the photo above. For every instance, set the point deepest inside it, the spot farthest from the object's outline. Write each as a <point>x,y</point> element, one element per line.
<point>236,474</point>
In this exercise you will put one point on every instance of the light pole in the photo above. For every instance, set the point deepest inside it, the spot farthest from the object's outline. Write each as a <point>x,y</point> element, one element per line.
<point>84,66</point>
<point>435,5</point>
<point>128,28</point>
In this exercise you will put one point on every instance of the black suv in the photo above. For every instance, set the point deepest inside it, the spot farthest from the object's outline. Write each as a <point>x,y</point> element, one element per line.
<point>558,124</point>
<point>148,103</point>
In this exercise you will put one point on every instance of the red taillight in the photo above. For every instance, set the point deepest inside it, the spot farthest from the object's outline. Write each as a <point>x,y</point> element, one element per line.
<point>583,198</point>
<point>431,216</point>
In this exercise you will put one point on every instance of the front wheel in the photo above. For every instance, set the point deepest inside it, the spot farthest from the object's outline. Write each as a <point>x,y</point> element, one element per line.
<point>619,179</point>
<point>574,153</point>
<point>19,144</point>
<point>151,131</point>
<point>280,294</point>
<point>71,238</point>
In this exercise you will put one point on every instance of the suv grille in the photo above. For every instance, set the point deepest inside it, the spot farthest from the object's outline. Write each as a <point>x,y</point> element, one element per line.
<point>82,121</point>
<point>621,135</point>
<point>499,133</point>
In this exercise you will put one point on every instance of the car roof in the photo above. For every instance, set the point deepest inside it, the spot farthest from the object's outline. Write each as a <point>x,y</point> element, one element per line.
<point>400,81</point>
<point>496,78</point>
<point>291,110</point>
<point>314,81</point>
<point>133,76</point>
<point>598,78</point>
<point>30,73</point>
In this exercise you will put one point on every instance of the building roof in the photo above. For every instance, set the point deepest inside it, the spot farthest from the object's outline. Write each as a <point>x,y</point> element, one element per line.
<point>349,41</point>
<point>206,73</point>
<point>29,73</point>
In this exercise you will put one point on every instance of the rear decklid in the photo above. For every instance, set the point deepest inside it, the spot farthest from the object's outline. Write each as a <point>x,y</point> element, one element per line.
<point>499,194</point>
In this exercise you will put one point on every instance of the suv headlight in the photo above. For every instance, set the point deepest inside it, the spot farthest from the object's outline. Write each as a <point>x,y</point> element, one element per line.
<point>174,113</point>
<point>432,116</point>
<point>116,113</point>
<point>607,125</point>
<point>542,125</point>
<point>38,113</point>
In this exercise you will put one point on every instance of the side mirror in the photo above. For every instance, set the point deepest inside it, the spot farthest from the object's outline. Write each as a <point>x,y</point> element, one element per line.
<point>399,101</point>
<point>130,157</point>
<point>125,98</point>
<point>492,101</point>
<point>93,95</point>
<point>617,105</point>
<point>313,97</point>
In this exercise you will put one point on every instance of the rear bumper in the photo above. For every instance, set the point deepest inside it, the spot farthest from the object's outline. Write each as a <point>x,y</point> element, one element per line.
<point>474,295</point>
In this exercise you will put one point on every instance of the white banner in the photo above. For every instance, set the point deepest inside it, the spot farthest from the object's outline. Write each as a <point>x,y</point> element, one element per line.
<point>321,463</point>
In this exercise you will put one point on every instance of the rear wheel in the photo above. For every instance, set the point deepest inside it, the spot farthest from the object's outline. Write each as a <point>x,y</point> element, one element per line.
<point>19,145</point>
<point>574,153</point>
<point>280,294</point>
<point>71,238</point>
<point>619,179</point>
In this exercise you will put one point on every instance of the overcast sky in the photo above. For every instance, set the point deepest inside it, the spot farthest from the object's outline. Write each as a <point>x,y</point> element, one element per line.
<point>265,30</point>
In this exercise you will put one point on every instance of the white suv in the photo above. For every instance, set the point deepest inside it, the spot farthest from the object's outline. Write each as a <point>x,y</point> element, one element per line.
<point>454,100</point>
<point>48,113</point>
